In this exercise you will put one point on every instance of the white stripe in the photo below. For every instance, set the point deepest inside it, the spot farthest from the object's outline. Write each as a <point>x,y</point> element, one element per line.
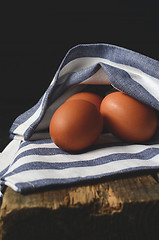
<point>61,158</point>
<point>53,80</point>
<point>150,83</point>
<point>8,154</point>
<point>80,172</point>
<point>36,146</point>
<point>11,185</point>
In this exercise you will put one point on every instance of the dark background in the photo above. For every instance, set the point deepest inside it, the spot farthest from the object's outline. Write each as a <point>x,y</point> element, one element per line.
<point>34,40</point>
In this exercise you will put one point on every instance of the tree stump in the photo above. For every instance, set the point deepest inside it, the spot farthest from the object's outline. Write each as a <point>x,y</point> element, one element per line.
<point>122,208</point>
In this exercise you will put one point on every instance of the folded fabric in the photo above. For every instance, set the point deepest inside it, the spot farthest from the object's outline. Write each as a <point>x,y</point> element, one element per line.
<point>32,160</point>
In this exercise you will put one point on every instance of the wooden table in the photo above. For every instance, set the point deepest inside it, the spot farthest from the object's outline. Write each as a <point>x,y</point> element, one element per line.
<point>123,207</point>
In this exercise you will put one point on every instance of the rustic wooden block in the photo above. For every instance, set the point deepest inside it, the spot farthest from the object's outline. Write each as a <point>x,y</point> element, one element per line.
<point>123,208</point>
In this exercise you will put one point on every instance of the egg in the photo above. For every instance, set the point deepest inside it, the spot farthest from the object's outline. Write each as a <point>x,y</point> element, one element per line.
<point>127,118</point>
<point>88,96</point>
<point>75,125</point>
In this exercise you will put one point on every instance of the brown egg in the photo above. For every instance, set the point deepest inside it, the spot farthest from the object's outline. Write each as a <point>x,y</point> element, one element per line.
<point>88,96</point>
<point>75,125</point>
<point>127,118</point>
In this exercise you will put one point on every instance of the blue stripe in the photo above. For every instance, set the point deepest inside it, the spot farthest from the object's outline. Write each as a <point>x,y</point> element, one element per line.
<point>32,185</point>
<point>143,155</point>
<point>41,152</point>
<point>4,171</point>
<point>122,81</point>
<point>116,54</point>
<point>44,151</point>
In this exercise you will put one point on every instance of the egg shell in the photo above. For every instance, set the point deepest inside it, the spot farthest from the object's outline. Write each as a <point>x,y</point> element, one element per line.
<point>88,96</point>
<point>75,125</point>
<point>127,118</point>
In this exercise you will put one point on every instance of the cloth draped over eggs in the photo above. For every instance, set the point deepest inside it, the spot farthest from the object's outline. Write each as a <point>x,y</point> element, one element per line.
<point>82,118</point>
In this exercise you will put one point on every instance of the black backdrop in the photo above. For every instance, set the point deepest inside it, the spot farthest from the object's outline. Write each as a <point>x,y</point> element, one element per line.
<point>33,42</point>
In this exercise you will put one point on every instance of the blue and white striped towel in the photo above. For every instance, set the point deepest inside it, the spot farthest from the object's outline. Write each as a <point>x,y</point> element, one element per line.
<point>32,160</point>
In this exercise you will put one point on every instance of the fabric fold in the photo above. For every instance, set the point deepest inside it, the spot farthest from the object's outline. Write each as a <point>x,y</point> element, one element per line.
<point>32,160</point>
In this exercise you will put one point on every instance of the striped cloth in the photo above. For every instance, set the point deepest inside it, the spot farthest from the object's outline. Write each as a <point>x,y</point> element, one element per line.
<point>32,160</point>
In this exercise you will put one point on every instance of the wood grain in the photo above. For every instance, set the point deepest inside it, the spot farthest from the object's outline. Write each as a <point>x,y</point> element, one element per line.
<point>123,208</point>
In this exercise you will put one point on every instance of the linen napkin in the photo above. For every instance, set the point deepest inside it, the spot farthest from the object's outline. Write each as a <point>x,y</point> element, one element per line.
<point>32,160</point>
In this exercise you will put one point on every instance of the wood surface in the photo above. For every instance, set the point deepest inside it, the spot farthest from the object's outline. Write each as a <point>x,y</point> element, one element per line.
<point>121,208</point>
